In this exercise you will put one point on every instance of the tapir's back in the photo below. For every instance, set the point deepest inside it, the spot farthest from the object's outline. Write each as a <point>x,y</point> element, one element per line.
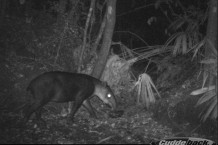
<point>62,86</point>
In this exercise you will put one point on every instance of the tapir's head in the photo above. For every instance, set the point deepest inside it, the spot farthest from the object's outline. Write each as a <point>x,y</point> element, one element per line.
<point>104,92</point>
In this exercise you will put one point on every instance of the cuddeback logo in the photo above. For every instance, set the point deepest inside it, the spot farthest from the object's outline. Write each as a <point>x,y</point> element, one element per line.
<point>184,141</point>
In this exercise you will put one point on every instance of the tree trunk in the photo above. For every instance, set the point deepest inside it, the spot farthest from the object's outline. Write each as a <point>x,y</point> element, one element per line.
<point>28,8</point>
<point>62,8</point>
<point>108,33</point>
<point>3,6</point>
<point>94,48</point>
<point>211,36</point>
<point>91,9</point>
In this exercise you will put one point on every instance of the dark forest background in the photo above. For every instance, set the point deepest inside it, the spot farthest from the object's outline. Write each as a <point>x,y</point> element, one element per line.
<point>158,56</point>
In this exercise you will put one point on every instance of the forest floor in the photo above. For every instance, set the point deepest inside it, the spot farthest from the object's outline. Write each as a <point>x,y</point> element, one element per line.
<point>136,126</point>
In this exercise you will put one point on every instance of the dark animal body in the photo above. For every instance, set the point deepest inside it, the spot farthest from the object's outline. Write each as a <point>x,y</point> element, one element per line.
<point>64,87</point>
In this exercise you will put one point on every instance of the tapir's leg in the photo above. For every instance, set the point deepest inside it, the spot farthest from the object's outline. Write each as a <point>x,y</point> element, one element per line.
<point>39,117</point>
<point>38,113</point>
<point>27,113</point>
<point>88,107</point>
<point>78,103</point>
<point>34,107</point>
<point>75,107</point>
<point>30,110</point>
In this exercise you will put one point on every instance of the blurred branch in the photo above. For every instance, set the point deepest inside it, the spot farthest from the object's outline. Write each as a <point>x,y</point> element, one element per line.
<point>92,6</point>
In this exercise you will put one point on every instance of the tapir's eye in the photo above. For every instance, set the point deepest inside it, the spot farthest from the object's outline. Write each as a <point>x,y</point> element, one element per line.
<point>108,95</point>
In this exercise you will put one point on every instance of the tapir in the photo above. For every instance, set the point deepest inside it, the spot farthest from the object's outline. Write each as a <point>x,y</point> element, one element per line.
<point>63,87</point>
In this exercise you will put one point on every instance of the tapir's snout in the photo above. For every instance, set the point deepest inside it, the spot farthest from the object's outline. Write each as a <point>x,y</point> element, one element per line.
<point>111,106</point>
<point>112,102</point>
<point>104,92</point>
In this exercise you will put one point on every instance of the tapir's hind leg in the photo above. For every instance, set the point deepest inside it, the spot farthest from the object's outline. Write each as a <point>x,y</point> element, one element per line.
<point>29,111</point>
<point>34,107</point>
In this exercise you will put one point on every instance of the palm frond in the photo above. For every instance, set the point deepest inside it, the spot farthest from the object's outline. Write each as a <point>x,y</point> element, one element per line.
<point>171,39</point>
<point>177,46</point>
<point>184,44</point>
<point>206,97</point>
<point>144,86</point>
<point>210,110</point>
<point>197,48</point>
<point>202,90</point>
